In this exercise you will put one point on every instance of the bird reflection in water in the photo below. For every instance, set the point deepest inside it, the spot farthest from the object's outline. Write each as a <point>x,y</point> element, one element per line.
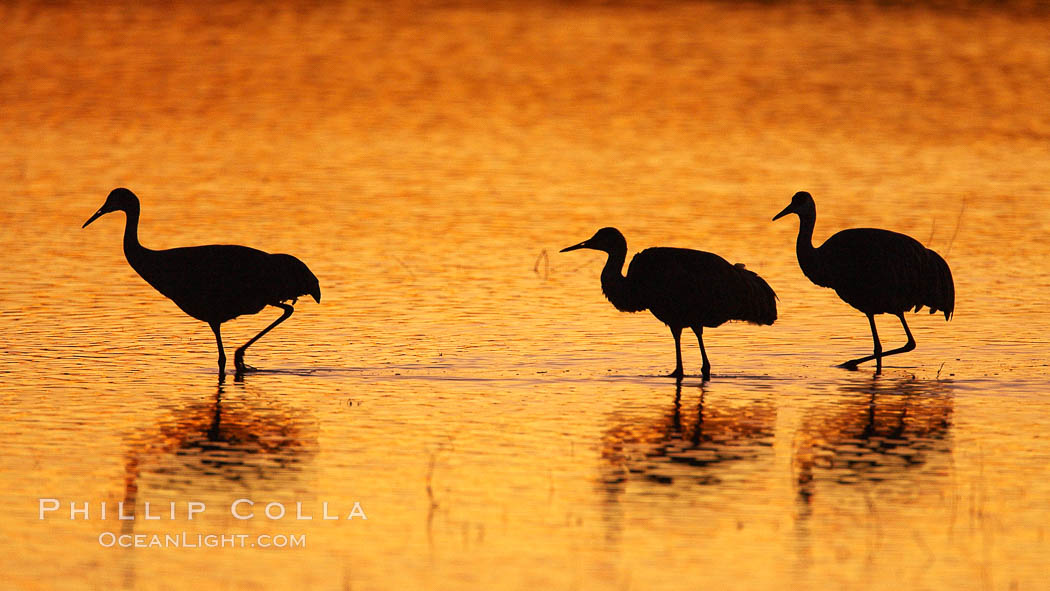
<point>241,446</point>
<point>688,446</point>
<point>256,443</point>
<point>889,433</point>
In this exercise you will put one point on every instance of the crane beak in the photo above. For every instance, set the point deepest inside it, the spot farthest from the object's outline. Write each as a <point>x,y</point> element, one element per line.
<point>576,246</point>
<point>97,215</point>
<point>783,213</point>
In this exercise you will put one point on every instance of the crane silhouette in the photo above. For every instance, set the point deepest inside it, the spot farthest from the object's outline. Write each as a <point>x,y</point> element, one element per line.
<point>214,283</point>
<point>683,288</point>
<point>875,271</point>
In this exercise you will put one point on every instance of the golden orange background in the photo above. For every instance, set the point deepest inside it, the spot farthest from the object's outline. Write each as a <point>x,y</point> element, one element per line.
<point>499,422</point>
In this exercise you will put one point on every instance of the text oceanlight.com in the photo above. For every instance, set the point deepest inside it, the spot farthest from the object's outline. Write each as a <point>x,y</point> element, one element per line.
<point>208,541</point>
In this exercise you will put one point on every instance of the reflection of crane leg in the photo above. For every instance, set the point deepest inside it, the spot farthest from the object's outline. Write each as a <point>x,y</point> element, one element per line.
<point>678,373</point>
<point>222,354</point>
<point>238,357</point>
<point>852,364</point>
<point>705,370</point>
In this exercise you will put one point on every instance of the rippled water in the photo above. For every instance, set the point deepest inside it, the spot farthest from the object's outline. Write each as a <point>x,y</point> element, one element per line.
<point>500,424</point>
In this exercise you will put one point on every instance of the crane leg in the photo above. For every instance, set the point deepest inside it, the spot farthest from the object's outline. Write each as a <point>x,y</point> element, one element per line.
<point>911,340</point>
<point>677,334</point>
<point>705,369</point>
<point>907,346</point>
<point>222,353</point>
<point>877,353</point>
<point>238,357</point>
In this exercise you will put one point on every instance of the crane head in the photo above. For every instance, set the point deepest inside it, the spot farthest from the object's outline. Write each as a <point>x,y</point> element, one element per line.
<point>119,199</point>
<point>606,239</point>
<point>799,202</point>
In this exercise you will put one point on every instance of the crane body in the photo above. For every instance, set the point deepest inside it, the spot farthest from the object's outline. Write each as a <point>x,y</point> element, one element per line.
<point>875,271</point>
<point>217,282</point>
<point>682,288</point>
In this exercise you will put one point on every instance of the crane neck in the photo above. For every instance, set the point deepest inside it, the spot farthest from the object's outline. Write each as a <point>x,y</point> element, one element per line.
<point>807,254</point>
<point>614,285</point>
<point>132,248</point>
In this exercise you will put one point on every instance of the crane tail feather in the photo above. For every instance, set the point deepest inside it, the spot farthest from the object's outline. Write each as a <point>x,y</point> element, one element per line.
<point>940,287</point>
<point>292,279</point>
<point>758,303</point>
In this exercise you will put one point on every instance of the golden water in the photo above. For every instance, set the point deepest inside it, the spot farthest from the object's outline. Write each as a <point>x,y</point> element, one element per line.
<point>499,423</point>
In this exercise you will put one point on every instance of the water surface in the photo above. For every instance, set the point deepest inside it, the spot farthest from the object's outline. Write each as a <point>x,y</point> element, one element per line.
<point>500,424</point>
